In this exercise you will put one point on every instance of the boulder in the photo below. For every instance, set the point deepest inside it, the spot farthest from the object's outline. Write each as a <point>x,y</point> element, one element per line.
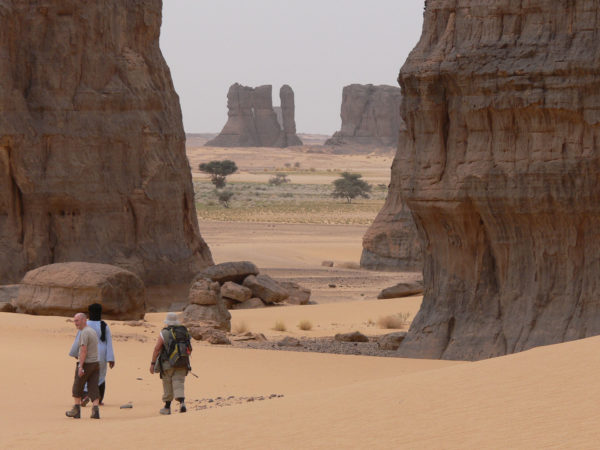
<point>204,291</point>
<point>500,168</point>
<point>209,332</point>
<point>297,295</point>
<point>235,291</point>
<point>327,263</point>
<point>402,290</point>
<point>249,304</point>
<point>355,336</point>
<point>64,289</point>
<point>266,288</point>
<point>235,271</point>
<point>250,336</point>
<point>216,315</point>
<point>370,116</point>
<point>92,147</point>
<point>391,341</point>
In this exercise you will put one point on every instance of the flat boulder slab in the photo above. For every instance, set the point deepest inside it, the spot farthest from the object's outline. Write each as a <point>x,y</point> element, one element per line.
<point>355,336</point>
<point>391,341</point>
<point>253,303</point>
<point>266,288</point>
<point>235,271</point>
<point>215,316</point>
<point>204,291</point>
<point>235,291</point>
<point>298,295</point>
<point>402,290</point>
<point>64,289</point>
<point>288,341</point>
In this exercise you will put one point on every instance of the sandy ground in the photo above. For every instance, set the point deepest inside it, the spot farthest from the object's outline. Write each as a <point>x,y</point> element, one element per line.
<point>543,398</point>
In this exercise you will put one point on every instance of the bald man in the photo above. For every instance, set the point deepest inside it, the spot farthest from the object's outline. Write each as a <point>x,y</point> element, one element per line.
<point>87,369</point>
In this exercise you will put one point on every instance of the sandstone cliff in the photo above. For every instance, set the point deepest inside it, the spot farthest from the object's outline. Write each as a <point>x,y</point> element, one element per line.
<point>92,148</point>
<point>253,121</point>
<point>370,116</point>
<point>501,172</point>
<point>392,241</point>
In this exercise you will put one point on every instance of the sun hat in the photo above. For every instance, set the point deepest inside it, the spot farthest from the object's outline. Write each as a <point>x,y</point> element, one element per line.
<point>172,319</point>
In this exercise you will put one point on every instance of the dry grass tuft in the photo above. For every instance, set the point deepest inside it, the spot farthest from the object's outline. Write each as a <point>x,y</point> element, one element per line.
<point>305,325</point>
<point>279,326</point>
<point>395,321</point>
<point>240,328</point>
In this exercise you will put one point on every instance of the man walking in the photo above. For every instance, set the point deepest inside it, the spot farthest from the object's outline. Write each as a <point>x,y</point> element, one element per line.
<point>171,358</point>
<point>87,368</point>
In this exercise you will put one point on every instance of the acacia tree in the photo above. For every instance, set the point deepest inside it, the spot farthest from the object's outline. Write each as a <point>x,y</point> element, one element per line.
<point>351,186</point>
<point>218,171</point>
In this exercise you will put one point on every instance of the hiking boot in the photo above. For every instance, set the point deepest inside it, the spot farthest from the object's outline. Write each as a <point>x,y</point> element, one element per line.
<point>85,400</point>
<point>182,408</point>
<point>75,412</point>
<point>95,412</point>
<point>165,411</point>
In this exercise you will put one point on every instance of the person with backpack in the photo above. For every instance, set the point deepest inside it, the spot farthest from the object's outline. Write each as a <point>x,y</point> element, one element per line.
<point>171,358</point>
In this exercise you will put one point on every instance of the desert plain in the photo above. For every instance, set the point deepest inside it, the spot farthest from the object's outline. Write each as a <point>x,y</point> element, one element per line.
<point>547,397</point>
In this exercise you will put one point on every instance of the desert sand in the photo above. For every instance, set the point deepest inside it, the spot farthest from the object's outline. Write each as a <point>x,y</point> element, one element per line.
<point>543,398</point>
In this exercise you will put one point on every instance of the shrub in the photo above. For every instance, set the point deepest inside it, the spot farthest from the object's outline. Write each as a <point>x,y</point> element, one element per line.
<point>224,197</point>
<point>297,165</point>
<point>305,325</point>
<point>394,321</point>
<point>278,179</point>
<point>279,326</point>
<point>350,186</point>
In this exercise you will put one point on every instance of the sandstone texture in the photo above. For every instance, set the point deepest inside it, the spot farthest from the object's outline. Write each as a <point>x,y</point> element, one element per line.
<point>392,241</point>
<point>253,122</point>
<point>64,289</point>
<point>92,147</point>
<point>370,116</point>
<point>501,172</point>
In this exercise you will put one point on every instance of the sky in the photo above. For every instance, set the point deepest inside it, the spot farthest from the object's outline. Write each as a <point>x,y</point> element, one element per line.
<point>315,46</point>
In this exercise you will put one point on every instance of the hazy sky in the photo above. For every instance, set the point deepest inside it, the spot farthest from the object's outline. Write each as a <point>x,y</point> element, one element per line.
<point>315,46</point>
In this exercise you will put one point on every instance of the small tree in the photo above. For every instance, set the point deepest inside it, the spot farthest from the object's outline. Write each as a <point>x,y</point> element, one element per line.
<point>218,171</point>
<point>278,179</point>
<point>224,197</point>
<point>351,186</point>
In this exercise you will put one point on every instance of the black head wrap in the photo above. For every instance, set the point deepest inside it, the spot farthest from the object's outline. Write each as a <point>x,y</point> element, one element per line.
<point>95,312</point>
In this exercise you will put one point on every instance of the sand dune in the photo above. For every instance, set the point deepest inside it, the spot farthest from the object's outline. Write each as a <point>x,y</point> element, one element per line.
<point>545,397</point>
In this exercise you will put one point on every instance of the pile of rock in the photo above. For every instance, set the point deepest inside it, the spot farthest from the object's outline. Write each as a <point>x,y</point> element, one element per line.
<point>233,285</point>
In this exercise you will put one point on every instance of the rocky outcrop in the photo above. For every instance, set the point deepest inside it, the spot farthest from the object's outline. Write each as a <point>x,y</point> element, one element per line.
<point>370,116</point>
<point>501,171</point>
<point>392,241</point>
<point>288,135</point>
<point>92,147</point>
<point>253,122</point>
<point>65,289</point>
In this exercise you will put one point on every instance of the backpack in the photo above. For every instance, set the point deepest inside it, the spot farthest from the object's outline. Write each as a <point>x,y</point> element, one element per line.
<point>179,349</point>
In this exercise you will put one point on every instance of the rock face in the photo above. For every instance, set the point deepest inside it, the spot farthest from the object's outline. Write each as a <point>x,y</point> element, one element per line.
<point>501,172</point>
<point>370,116</point>
<point>64,289</point>
<point>392,241</point>
<point>92,147</point>
<point>288,118</point>
<point>252,120</point>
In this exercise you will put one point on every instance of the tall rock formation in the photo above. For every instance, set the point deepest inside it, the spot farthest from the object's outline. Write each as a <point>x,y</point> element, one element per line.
<point>502,174</point>
<point>253,122</point>
<point>288,120</point>
<point>370,116</point>
<point>92,147</point>
<point>392,241</point>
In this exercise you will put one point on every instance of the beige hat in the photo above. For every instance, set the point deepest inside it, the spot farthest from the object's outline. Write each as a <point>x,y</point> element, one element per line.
<point>172,319</point>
